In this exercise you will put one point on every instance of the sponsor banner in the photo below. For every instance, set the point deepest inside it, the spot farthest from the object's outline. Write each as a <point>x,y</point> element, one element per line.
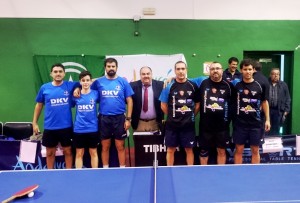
<point>10,159</point>
<point>162,65</point>
<point>146,144</point>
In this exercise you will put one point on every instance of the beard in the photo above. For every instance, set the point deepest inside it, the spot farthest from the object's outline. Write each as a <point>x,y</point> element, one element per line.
<point>111,73</point>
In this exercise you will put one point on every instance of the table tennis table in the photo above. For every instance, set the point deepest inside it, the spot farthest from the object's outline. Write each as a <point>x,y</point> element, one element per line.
<point>181,184</point>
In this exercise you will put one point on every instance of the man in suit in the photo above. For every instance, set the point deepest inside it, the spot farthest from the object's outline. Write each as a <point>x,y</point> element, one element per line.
<point>280,101</point>
<point>146,115</point>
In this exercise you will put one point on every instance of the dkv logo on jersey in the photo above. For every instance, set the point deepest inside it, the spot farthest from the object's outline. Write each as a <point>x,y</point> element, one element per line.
<point>85,108</point>
<point>59,101</point>
<point>111,93</point>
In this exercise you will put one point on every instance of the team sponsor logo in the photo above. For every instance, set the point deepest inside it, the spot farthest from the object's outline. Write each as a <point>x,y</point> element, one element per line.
<point>214,106</point>
<point>59,101</point>
<point>248,109</point>
<point>222,91</point>
<point>213,98</point>
<point>110,93</point>
<point>253,93</point>
<point>183,109</point>
<point>181,101</point>
<point>66,93</point>
<point>118,88</point>
<point>189,101</point>
<point>86,107</point>
<point>189,93</point>
<point>214,90</point>
<point>246,100</point>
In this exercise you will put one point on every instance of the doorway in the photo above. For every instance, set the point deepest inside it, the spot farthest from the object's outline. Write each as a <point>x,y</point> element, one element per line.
<point>277,59</point>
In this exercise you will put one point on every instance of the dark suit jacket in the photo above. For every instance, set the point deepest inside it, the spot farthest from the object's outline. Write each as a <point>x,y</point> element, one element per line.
<point>283,96</point>
<point>137,101</point>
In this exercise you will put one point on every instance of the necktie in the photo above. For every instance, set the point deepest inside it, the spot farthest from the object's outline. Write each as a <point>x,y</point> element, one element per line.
<point>145,104</point>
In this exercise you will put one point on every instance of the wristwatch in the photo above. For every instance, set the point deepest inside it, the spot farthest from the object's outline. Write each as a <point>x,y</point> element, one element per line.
<point>128,119</point>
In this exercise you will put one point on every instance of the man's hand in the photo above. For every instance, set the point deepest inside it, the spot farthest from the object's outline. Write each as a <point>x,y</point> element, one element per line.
<point>168,81</point>
<point>35,128</point>
<point>267,126</point>
<point>127,124</point>
<point>76,92</point>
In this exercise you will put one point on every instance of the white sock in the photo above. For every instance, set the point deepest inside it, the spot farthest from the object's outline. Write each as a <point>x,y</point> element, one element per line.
<point>122,166</point>
<point>105,166</point>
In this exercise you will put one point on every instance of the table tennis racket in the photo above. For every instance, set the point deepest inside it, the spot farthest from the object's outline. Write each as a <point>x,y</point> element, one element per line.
<point>21,193</point>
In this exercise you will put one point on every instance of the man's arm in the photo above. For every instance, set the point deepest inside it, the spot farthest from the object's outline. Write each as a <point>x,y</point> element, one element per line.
<point>76,92</point>
<point>164,107</point>
<point>127,123</point>
<point>265,107</point>
<point>287,99</point>
<point>197,108</point>
<point>36,114</point>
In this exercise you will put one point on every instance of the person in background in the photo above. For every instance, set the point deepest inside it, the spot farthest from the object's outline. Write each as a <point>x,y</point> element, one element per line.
<point>279,100</point>
<point>56,96</point>
<point>249,124</point>
<point>215,110</point>
<point>260,77</point>
<point>115,92</point>
<point>231,73</point>
<point>86,133</point>
<point>146,114</point>
<point>180,102</point>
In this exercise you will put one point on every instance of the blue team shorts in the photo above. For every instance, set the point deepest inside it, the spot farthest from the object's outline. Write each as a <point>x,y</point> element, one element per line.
<point>184,137</point>
<point>252,135</point>
<point>89,140</point>
<point>51,138</point>
<point>112,127</point>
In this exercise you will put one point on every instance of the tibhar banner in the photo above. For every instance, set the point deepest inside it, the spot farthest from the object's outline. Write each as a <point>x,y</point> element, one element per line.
<point>74,65</point>
<point>162,65</point>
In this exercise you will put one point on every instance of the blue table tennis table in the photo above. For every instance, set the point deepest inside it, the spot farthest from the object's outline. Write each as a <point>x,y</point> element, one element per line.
<point>181,184</point>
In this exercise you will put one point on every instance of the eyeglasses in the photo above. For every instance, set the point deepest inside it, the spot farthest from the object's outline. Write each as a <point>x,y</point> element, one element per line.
<point>216,68</point>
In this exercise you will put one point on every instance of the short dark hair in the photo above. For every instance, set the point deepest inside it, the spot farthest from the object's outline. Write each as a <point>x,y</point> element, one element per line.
<point>57,65</point>
<point>233,59</point>
<point>257,66</point>
<point>180,62</point>
<point>85,73</point>
<point>246,62</point>
<point>110,60</point>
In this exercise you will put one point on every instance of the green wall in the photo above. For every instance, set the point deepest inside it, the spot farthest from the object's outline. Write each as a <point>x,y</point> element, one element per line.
<point>20,39</point>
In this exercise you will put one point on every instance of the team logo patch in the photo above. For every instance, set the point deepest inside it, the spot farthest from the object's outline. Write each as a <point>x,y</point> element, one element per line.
<point>118,87</point>
<point>253,93</point>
